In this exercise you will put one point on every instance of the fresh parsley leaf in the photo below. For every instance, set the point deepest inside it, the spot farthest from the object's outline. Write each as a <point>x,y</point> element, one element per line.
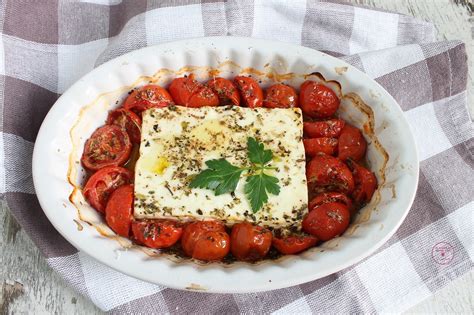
<point>257,153</point>
<point>221,176</point>
<point>257,188</point>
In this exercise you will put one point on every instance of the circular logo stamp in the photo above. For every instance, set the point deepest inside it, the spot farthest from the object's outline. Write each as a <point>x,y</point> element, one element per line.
<point>442,253</point>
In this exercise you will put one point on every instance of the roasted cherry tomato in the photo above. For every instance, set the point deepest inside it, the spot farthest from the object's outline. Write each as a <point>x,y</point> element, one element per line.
<point>181,89</point>
<point>280,96</point>
<point>365,183</point>
<point>225,90</point>
<point>320,145</point>
<point>249,242</point>
<point>118,212</point>
<point>203,97</point>
<point>327,173</point>
<point>294,244</point>
<point>128,121</point>
<point>251,92</point>
<point>206,240</point>
<point>109,145</point>
<point>351,144</point>
<point>327,221</point>
<point>103,182</point>
<point>327,128</point>
<point>147,97</point>
<point>317,100</point>
<point>157,233</point>
<point>190,93</point>
<point>331,196</point>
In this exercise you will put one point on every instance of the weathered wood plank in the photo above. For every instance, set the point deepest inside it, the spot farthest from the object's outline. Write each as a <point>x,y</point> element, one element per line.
<point>28,284</point>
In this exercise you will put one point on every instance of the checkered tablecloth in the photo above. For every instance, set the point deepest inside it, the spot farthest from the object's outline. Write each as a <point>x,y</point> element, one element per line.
<point>47,45</point>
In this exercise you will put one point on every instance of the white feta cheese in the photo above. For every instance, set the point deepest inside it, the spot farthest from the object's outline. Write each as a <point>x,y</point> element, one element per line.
<point>177,141</point>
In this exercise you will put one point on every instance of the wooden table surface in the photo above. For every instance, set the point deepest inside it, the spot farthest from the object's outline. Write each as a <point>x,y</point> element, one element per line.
<point>30,286</point>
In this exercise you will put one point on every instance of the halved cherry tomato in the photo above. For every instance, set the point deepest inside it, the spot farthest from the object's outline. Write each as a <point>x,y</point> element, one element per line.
<point>206,240</point>
<point>320,145</point>
<point>204,96</point>
<point>251,92</point>
<point>118,212</point>
<point>249,242</point>
<point>327,173</point>
<point>109,145</point>
<point>225,90</point>
<point>365,183</point>
<point>103,182</point>
<point>181,89</point>
<point>190,93</point>
<point>317,100</point>
<point>147,97</point>
<point>351,144</point>
<point>327,197</point>
<point>327,221</point>
<point>280,96</point>
<point>294,244</point>
<point>327,128</point>
<point>157,233</point>
<point>128,121</point>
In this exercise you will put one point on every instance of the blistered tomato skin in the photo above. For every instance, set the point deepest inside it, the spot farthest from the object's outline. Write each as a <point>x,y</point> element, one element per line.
<point>315,146</point>
<point>327,221</point>
<point>280,96</point>
<point>317,100</point>
<point>186,91</point>
<point>327,173</point>
<point>226,91</point>
<point>102,183</point>
<point>109,145</point>
<point>128,121</point>
<point>331,196</point>
<point>365,183</point>
<point>352,144</point>
<point>291,245</point>
<point>251,92</point>
<point>118,212</point>
<point>146,97</point>
<point>249,242</point>
<point>326,128</point>
<point>205,240</point>
<point>181,89</point>
<point>157,233</point>
<point>204,96</point>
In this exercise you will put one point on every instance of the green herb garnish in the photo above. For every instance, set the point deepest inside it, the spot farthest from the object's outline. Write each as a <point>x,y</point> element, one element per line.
<point>223,177</point>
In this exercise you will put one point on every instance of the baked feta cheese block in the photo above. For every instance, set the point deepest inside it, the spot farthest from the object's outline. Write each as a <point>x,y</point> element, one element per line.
<point>177,141</point>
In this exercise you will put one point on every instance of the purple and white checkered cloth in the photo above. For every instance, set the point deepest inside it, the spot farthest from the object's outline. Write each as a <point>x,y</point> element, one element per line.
<point>47,45</point>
